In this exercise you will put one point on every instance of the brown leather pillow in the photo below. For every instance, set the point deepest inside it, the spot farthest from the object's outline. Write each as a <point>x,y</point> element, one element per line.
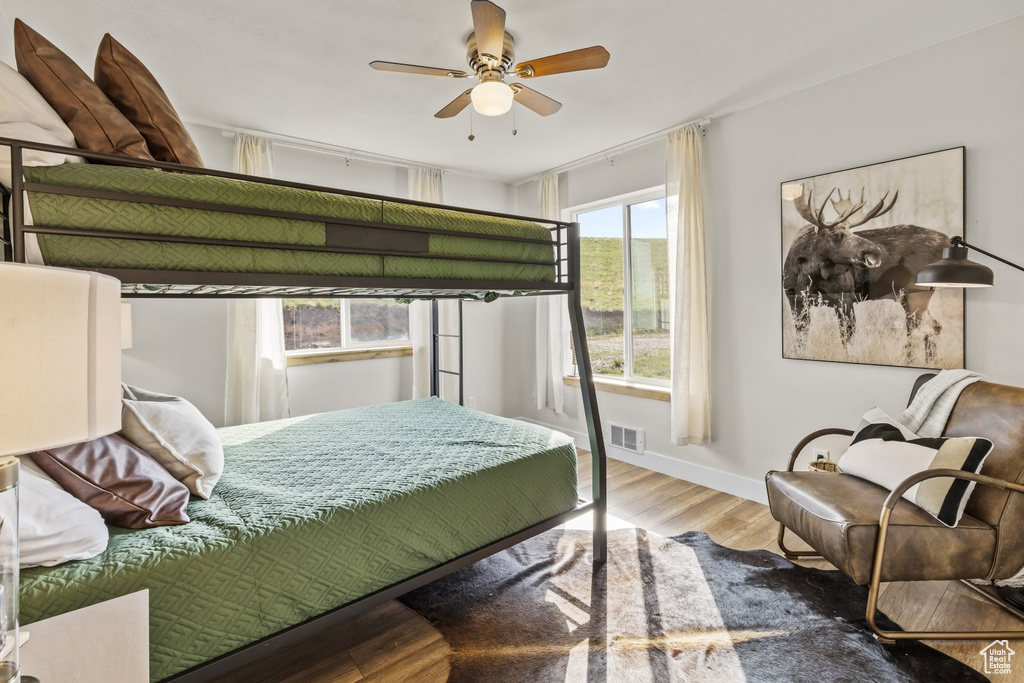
<point>97,124</point>
<point>133,89</point>
<point>112,475</point>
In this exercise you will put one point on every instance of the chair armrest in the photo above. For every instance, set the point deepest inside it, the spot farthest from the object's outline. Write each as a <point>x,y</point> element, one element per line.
<point>915,479</point>
<point>897,495</point>
<point>806,441</point>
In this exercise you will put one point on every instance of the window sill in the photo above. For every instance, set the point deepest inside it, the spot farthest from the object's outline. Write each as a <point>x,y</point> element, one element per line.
<point>614,386</point>
<point>344,355</point>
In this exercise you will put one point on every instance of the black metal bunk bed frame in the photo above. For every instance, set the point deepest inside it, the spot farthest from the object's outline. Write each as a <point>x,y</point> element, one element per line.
<point>358,237</point>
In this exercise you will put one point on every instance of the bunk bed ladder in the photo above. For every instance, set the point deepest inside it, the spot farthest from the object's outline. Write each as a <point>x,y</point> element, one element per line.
<point>599,457</point>
<point>435,352</point>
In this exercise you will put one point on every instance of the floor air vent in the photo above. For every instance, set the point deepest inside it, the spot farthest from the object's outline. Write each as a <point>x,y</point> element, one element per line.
<point>627,438</point>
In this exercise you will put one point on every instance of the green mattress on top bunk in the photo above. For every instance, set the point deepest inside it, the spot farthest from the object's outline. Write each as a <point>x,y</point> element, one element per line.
<point>315,512</point>
<point>65,211</point>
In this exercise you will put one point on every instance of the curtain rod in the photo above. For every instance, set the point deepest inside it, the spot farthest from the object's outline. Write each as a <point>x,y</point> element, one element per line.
<point>352,154</point>
<point>613,151</point>
<point>346,153</point>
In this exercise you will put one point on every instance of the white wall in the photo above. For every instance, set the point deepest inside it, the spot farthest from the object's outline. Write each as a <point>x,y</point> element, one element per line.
<point>181,346</point>
<point>955,93</point>
<point>319,168</point>
<point>6,39</point>
<point>351,384</point>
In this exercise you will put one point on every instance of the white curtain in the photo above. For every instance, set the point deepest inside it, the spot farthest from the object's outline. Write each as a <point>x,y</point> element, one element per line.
<point>551,338</point>
<point>425,185</point>
<point>257,379</point>
<point>691,394</point>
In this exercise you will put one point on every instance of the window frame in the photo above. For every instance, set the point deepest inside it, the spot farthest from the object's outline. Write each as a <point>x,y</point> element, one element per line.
<point>625,201</point>
<point>349,345</point>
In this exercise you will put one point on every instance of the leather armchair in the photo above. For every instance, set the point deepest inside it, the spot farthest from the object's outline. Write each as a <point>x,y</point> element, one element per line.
<point>874,535</point>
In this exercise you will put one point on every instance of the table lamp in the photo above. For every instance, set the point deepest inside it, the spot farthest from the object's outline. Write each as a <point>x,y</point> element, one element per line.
<point>60,383</point>
<point>126,326</point>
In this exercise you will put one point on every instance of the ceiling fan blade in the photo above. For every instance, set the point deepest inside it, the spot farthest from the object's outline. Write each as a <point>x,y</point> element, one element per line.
<point>455,106</point>
<point>577,60</point>
<point>489,27</point>
<point>542,104</point>
<point>416,69</point>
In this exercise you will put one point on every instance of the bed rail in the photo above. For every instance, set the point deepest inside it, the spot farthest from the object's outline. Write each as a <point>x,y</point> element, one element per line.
<point>119,160</point>
<point>380,237</point>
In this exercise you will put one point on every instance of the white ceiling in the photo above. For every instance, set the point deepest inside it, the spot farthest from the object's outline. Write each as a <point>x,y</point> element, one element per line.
<point>299,68</point>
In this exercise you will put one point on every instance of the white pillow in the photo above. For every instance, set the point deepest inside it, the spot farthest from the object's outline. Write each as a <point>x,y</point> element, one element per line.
<point>883,453</point>
<point>25,115</point>
<point>174,433</point>
<point>55,527</point>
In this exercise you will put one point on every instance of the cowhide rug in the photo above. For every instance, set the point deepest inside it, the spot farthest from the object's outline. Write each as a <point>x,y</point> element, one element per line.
<point>662,609</point>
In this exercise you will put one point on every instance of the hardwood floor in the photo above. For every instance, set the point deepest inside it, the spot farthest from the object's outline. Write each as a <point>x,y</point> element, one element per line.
<point>393,643</point>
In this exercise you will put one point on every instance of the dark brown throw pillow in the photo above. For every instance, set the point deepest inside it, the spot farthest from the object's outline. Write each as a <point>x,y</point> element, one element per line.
<point>133,89</point>
<point>97,124</point>
<point>122,482</point>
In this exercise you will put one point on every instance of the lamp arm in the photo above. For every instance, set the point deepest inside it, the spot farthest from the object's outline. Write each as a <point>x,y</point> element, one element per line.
<point>958,241</point>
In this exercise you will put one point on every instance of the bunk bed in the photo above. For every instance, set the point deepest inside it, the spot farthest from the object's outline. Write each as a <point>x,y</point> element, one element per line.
<point>166,230</point>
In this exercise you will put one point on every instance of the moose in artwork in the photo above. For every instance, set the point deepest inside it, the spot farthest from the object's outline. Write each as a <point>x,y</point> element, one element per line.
<point>842,261</point>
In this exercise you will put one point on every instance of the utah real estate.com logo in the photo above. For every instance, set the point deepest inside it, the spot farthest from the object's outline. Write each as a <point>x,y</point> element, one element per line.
<point>997,657</point>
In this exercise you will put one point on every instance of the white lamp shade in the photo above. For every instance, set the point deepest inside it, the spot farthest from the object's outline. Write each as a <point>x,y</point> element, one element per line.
<point>126,325</point>
<point>60,343</point>
<point>491,98</point>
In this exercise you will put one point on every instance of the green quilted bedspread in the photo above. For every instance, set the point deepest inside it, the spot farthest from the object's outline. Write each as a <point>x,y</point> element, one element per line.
<point>314,512</point>
<point>55,210</point>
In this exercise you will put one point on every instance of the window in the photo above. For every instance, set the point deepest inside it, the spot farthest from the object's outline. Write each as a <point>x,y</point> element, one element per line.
<point>624,267</point>
<point>331,324</point>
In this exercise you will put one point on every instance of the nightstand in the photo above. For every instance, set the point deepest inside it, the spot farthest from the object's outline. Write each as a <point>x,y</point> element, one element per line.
<point>104,643</point>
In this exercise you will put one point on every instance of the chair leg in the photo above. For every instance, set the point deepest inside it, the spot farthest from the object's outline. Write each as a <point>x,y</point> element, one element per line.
<point>890,637</point>
<point>994,599</point>
<point>792,554</point>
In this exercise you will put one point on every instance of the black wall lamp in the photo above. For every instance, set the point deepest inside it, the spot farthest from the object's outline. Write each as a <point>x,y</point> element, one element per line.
<point>956,270</point>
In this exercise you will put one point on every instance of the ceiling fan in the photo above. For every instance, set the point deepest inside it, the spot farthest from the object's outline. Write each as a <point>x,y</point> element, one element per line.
<point>491,55</point>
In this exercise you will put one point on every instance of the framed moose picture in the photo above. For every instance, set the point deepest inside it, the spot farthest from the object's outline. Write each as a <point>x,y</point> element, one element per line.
<point>852,243</point>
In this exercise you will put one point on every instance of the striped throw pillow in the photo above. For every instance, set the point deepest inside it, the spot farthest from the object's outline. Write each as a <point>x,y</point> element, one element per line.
<point>881,453</point>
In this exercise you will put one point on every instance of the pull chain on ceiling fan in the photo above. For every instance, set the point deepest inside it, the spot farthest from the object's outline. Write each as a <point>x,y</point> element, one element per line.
<point>491,55</point>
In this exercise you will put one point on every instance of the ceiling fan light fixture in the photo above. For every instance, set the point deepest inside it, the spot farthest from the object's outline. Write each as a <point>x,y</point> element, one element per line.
<point>491,55</point>
<point>492,98</point>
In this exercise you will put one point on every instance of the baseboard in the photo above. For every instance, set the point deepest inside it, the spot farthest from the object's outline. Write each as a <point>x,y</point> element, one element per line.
<point>734,484</point>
